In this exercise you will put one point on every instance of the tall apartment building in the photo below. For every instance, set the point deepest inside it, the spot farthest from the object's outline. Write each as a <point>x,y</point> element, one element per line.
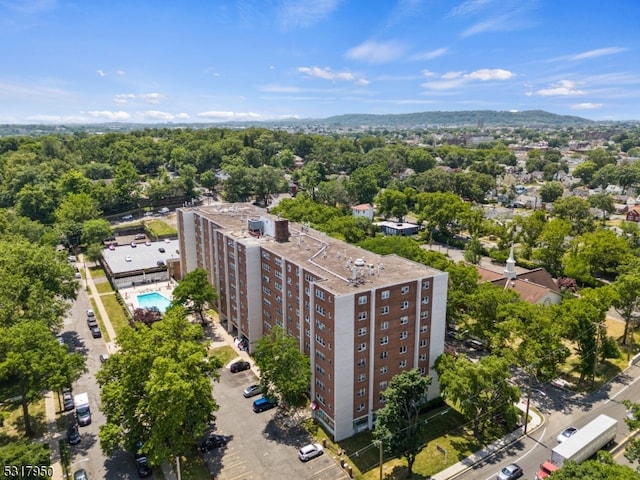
<point>360,317</point>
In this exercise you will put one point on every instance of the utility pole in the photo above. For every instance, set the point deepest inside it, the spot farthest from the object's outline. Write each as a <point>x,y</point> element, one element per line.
<point>595,355</point>
<point>381,456</point>
<point>526,415</point>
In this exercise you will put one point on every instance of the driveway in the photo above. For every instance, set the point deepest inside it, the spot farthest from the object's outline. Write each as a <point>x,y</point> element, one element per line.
<point>261,445</point>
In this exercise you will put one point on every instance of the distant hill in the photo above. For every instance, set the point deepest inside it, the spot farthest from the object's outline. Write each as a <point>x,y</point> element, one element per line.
<point>402,121</point>
<point>465,118</point>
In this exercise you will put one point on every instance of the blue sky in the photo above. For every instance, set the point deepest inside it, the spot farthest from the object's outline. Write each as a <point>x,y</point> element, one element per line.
<point>85,61</point>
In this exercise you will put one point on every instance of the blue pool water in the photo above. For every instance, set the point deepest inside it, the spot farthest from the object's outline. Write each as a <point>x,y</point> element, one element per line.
<point>154,299</point>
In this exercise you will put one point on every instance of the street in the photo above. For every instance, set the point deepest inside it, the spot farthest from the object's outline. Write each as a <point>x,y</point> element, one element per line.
<point>562,409</point>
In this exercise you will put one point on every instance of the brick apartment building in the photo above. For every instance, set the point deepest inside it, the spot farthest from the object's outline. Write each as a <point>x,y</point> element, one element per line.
<point>361,317</point>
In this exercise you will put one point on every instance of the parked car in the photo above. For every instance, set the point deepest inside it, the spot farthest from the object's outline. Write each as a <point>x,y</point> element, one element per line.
<point>127,217</point>
<point>240,366</point>
<point>73,435</point>
<point>92,322</point>
<point>104,357</point>
<point>112,246</point>
<point>60,339</point>
<point>80,475</point>
<point>310,451</point>
<point>67,401</point>
<point>90,313</point>
<point>566,433</point>
<point>252,391</point>
<point>142,465</point>
<point>263,403</point>
<point>95,332</point>
<point>510,472</point>
<point>161,250</point>
<point>211,442</point>
<point>134,244</point>
<point>140,236</point>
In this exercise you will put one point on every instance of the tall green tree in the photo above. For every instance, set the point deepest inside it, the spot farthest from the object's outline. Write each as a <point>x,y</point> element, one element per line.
<point>398,423</point>
<point>195,293</point>
<point>157,389</point>
<point>95,231</point>
<point>626,300</point>
<point>479,389</point>
<point>24,453</point>
<point>284,369</point>
<point>32,362</point>
<point>552,245</point>
<point>574,210</point>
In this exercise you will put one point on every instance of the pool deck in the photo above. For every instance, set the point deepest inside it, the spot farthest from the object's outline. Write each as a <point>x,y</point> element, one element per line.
<point>130,294</point>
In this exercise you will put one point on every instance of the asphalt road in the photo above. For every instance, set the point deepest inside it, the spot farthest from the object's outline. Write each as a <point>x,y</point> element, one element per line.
<point>562,409</point>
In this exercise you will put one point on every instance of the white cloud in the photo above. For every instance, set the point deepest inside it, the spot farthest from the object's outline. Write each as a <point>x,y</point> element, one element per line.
<point>183,116</point>
<point>216,115</point>
<point>328,74</point>
<point>56,119</point>
<point>430,55</point>
<point>599,52</point>
<point>109,115</point>
<point>485,74</point>
<point>469,7</point>
<point>561,88</point>
<point>304,13</point>
<point>100,72</point>
<point>376,52</point>
<point>120,73</point>
<point>454,79</point>
<point>152,98</point>
<point>586,106</point>
<point>155,115</point>
<point>429,74</point>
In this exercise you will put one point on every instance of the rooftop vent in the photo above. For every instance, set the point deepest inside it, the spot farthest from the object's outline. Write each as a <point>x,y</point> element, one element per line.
<point>359,262</point>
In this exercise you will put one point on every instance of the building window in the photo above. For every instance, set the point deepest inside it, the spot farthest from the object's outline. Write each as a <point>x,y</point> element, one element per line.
<point>362,300</point>
<point>404,290</point>
<point>320,355</point>
<point>404,320</point>
<point>361,377</point>
<point>384,340</point>
<point>403,364</point>
<point>362,347</point>
<point>385,294</point>
<point>424,314</point>
<point>319,309</point>
<point>383,385</point>
<point>425,300</point>
<point>383,355</point>
<point>426,284</point>
<point>383,370</point>
<point>265,279</point>
<point>266,267</point>
<point>266,290</point>
<point>423,371</point>
<point>319,339</point>
<point>423,343</point>
<point>319,325</point>
<point>424,328</point>
<point>362,362</point>
<point>423,357</point>
<point>320,294</point>
<point>362,392</point>
<point>360,407</point>
<point>404,305</point>
<point>404,335</point>
<point>403,349</point>
<point>277,261</point>
<point>266,255</point>
<point>384,325</point>
<point>362,331</point>
<point>384,310</point>
<point>362,315</point>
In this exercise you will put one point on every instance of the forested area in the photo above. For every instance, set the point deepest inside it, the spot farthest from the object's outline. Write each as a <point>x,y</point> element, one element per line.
<point>63,189</point>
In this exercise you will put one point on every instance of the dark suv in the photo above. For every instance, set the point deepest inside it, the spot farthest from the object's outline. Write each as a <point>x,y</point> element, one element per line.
<point>263,403</point>
<point>240,366</point>
<point>211,442</point>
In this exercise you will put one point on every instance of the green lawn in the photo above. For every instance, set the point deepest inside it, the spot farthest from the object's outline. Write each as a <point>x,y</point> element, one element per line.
<point>225,354</point>
<point>445,431</point>
<point>119,318</point>
<point>157,228</point>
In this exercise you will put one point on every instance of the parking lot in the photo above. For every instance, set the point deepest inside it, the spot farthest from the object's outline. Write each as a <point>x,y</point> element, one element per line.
<point>260,445</point>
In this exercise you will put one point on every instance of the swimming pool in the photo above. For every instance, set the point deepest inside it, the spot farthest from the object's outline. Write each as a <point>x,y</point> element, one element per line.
<point>154,299</point>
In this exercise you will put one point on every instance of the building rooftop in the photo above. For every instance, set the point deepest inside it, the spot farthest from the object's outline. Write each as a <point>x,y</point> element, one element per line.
<point>342,267</point>
<point>125,258</point>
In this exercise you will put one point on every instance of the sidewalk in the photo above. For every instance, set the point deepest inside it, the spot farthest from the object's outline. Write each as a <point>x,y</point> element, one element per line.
<point>454,470</point>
